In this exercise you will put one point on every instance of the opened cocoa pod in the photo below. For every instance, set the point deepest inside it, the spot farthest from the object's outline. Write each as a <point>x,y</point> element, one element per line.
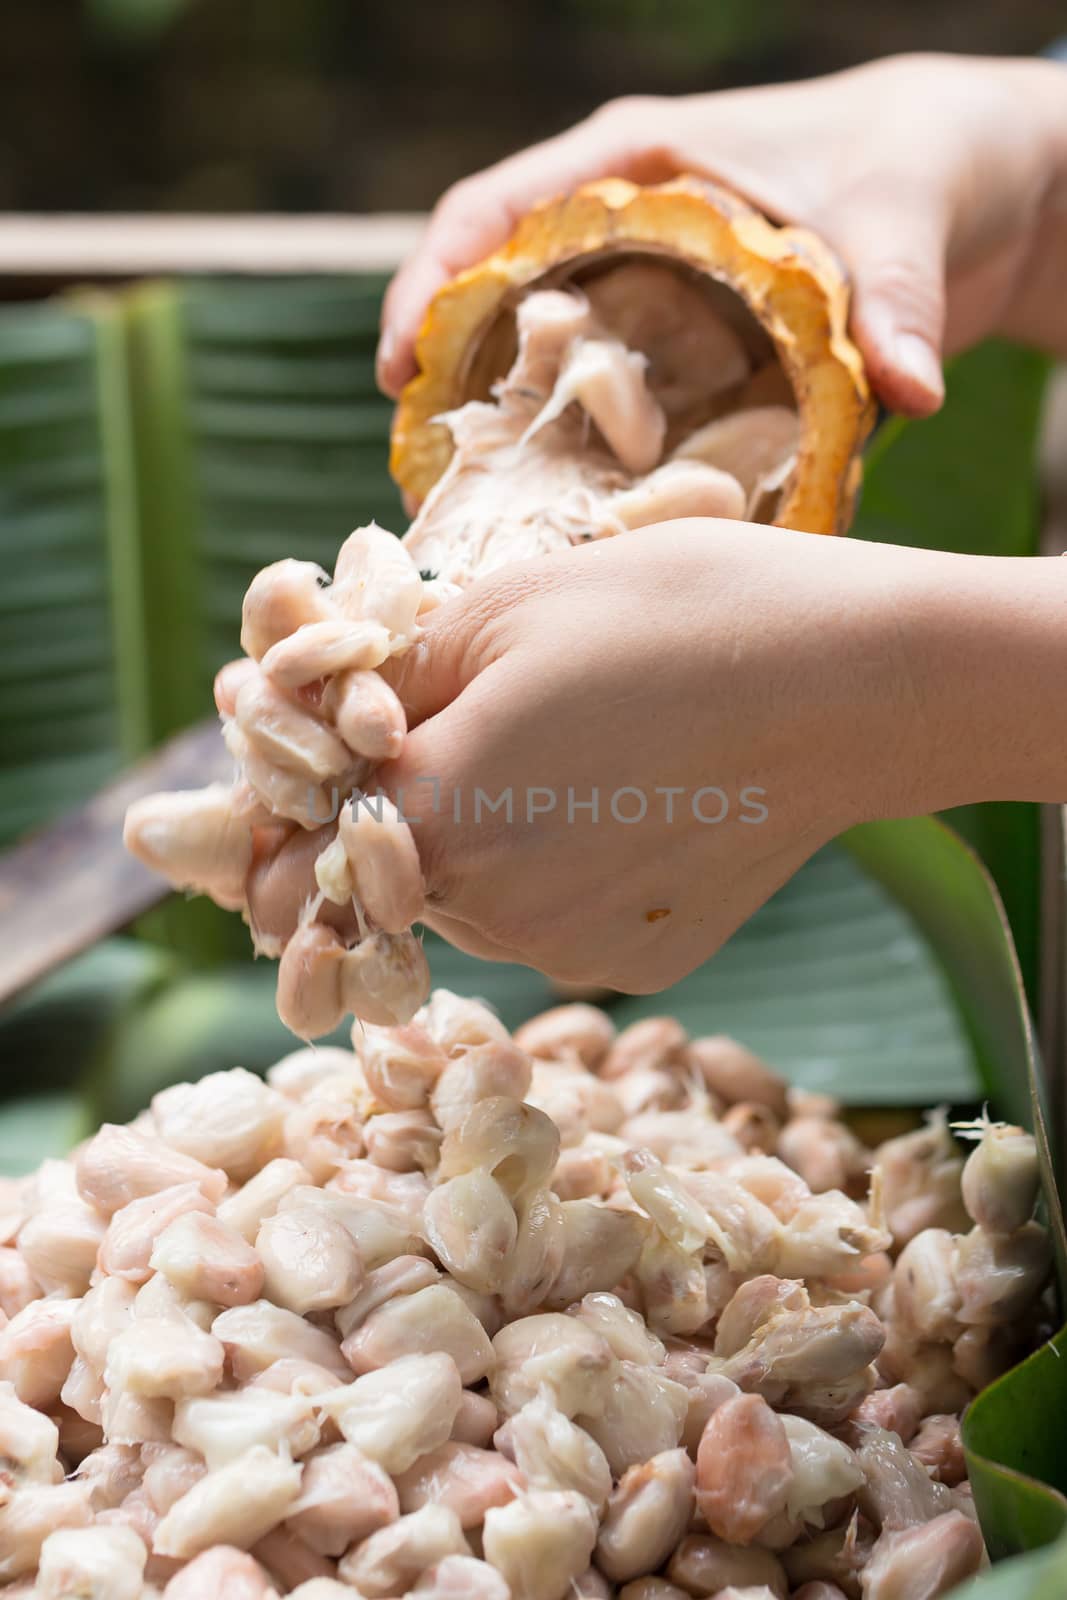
<point>739,326</point>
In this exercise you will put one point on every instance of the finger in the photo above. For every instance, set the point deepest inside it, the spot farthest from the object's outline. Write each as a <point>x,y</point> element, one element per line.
<point>229,681</point>
<point>417,784</point>
<point>892,235</point>
<point>460,640</point>
<point>479,213</point>
<point>282,882</point>
<point>432,672</point>
<point>434,783</point>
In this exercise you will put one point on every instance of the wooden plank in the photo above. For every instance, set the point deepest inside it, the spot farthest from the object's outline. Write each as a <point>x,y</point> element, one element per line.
<point>73,882</point>
<point>78,246</point>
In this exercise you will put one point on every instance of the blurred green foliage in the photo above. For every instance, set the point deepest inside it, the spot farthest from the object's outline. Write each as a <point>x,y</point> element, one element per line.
<point>692,31</point>
<point>140,21</point>
<point>328,105</point>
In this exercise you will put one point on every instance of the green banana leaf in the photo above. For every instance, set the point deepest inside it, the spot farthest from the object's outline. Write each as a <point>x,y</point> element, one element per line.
<point>205,1022</point>
<point>965,480</point>
<point>1013,1435</point>
<point>36,1126</point>
<point>70,704</point>
<point>1041,1576</point>
<point>49,1035</point>
<point>260,435</point>
<point>830,982</point>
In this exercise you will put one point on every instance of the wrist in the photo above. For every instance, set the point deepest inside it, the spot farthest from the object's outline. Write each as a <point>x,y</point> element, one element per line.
<point>980,666</point>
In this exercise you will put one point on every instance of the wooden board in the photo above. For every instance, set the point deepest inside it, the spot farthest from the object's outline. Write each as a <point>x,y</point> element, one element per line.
<point>73,882</point>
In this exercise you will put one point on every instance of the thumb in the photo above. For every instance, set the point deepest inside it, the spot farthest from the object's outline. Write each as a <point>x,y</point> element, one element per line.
<point>479,213</point>
<point>448,654</point>
<point>466,635</point>
<point>894,244</point>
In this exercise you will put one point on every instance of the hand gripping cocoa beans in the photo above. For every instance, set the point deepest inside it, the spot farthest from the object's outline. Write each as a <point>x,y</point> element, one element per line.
<point>572,448</point>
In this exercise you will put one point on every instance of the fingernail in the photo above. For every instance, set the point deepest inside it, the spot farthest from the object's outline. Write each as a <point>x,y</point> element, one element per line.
<point>915,360</point>
<point>386,349</point>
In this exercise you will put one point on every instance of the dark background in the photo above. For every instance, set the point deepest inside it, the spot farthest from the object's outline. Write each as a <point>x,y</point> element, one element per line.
<point>376,105</point>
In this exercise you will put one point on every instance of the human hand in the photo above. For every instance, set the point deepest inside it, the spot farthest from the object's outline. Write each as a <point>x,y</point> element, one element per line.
<point>813,683</point>
<point>940,181</point>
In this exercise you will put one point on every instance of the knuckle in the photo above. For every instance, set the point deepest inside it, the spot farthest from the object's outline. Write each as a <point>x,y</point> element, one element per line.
<point>458,200</point>
<point>451,198</point>
<point>441,881</point>
<point>626,110</point>
<point>917,293</point>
